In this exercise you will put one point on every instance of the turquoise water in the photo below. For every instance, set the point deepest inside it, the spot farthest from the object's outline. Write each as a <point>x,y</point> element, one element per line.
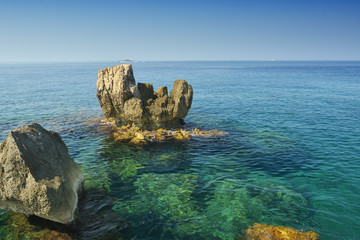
<point>291,158</point>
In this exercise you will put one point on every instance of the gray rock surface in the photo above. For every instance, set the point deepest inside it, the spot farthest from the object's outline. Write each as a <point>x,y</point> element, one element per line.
<point>114,88</point>
<point>37,175</point>
<point>127,103</point>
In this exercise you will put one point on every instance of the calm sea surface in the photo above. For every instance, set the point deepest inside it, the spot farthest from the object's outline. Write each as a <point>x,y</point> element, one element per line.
<point>291,158</point>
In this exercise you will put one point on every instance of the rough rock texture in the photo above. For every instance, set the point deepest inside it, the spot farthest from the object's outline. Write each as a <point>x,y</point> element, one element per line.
<point>269,232</point>
<point>113,86</point>
<point>127,103</point>
<point>37,175</point>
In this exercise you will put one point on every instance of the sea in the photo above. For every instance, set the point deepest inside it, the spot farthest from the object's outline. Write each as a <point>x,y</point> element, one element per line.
<point>291,156</point>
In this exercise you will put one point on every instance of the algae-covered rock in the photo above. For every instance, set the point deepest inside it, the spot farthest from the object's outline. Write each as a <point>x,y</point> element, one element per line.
<point>269,232</point>
<point>237,204</point>
<point>37,175</point>
<point>163,194</point>
<point>126,168</point>
<point>281,197</point>
<point>230,208</point>
<point>139,138</point>
<point>181,135</point>
<point>54,235</point>
<point>19,227</point>
<point>4,229</point>
<point>96,176</point>
<point>120,98</point>
<point>233,207</point>
<point>135,135</point>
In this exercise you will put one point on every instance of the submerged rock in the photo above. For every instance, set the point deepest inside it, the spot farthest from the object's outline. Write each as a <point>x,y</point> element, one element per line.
<point>121,99</point>
<point>20,227</point>
<point>37,175</point>
<point>268,232</point>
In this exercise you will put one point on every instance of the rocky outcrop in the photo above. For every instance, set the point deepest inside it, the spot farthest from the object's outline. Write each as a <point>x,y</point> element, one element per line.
<point>37,175</point>
<point>269,232</point>
<point>120,98</point>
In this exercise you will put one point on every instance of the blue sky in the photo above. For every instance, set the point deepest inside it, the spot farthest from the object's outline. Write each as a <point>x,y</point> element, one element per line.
<point>179,30</point>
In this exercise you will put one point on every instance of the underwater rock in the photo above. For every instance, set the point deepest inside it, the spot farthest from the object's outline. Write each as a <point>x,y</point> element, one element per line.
<point>19,226</point>
<point>121,99</point>
<point>54,235</point>
<point>165,194</point>
<point>268,232</point>
<point>37,175</point>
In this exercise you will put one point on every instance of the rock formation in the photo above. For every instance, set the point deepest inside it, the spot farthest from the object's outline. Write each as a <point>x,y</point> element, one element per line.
<point>37,175</point>
<point>120,98</point>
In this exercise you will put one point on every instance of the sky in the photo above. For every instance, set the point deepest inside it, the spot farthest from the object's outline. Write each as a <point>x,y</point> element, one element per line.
<point>108,30</point>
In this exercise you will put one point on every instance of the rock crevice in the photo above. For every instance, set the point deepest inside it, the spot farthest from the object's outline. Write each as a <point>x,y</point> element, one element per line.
<point>128,103</point>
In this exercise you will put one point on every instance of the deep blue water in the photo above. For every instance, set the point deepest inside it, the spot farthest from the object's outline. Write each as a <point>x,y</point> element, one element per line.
<point>291,158</point>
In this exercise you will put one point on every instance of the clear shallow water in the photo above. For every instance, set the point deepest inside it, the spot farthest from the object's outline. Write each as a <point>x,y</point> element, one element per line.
<point>292,156</point>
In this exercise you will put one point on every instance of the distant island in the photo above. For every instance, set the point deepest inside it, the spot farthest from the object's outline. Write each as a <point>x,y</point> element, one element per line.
<point>126,60</point>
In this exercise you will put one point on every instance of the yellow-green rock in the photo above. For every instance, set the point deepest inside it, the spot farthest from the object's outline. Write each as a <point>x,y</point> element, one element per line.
<point>268,232</point>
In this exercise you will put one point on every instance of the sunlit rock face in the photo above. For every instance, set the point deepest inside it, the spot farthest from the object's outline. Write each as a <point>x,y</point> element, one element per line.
<point>37,175</point>
<point>128,103</point>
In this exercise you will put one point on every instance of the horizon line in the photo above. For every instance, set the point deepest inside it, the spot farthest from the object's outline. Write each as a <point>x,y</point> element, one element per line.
<point>137,61</point>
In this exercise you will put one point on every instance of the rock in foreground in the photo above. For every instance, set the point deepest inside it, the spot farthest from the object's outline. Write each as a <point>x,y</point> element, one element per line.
<point>269,232</point>
<point>37,175</point>
<point>121,99</point>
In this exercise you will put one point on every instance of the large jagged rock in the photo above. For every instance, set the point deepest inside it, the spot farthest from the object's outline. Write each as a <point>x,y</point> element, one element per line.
<point>127,103</point>
<point>113,86</point>
<point>37,175</point>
